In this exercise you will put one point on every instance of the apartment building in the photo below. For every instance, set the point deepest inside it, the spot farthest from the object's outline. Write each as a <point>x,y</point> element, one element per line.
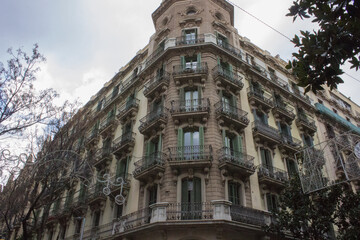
<point>202,127</point>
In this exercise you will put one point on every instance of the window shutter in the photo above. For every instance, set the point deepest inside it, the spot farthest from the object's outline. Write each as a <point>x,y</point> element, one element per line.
<point>182,95</point>
<point>231,71</point>
<point>160,143</point>
<point>266,120</point>
<point>183,63</point>
<point>199,93</point>
<point>197,190</point>
<point>269,202</point>
<point>199,59</point>
<point>288,130</point>
<point>231,192</point>
<point>263,160</point>
<point>224,137</point>
<point>184,191</point>
<point>219,63</point>
<point>201,135</point>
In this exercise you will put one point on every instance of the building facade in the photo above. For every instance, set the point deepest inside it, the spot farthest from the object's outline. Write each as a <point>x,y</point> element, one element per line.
<point>202,126</point>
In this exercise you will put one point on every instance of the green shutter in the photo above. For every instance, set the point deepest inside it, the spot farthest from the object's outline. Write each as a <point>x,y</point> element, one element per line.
<point>197,190</point>
<point>224,136</point>
<point>201,135</point>
<point>160,143</point>
<point>269,202</point>
<point>152,148</point>
<point>180,143</point>
<point>199,59</point>
<point>182,95</point>
<point>184,191</point>
<point>218,62</point>
<point>183,63</point>
<point>199,93</point>
<point>231,192</point>
<point>231,71</point>
<point>262,153</point>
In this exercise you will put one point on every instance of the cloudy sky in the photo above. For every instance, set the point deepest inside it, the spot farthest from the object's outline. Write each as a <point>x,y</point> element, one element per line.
<point>87,41</point>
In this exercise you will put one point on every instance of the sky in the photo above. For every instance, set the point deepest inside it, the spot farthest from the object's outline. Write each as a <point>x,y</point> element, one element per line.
<point>86,42</point>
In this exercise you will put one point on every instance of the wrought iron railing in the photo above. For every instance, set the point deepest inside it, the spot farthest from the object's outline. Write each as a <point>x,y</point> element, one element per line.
<point>266,129</point>
<point>96,192</point>
<point>228,75</point>
<point>189,211</point>
<point>92,134</point>
<point>247,215</point>
<point>226,154</point>
<point>154,82</point>
<point>189,40</point>
<point>196,68</point>
<point>102,153</point>
<point>133,220</point>
<point>232,112</point>
<point>154,159</point>
<point>152,117</point>
<point>128,105</point>
<point>286,139</point>
<point>260,94</point>
<point>193,105</point>
<point>228,47</point>
<point>272,172</point>
<point>285,108</point>
<point>98,232</point>
<point>190,153</point>
<point>123,139</point>
<point>302,118</point>
<point>106,122</point>
<point>129,82</point>
<point>152,57</point>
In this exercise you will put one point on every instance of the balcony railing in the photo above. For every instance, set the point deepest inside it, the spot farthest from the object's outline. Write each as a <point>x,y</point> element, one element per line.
<point>266,130</point>
<point>155,55</point>
<point>272,173</point>
<point>190,106</point>
<point>199,68</point>
<point>260,96</point>
<point>152,117</point>
<point>92,135</point>
<point>290,141</point>
<point>107,123</point>
<point>133,220</point>
<point>156,159</point>
<point>156,82</point>
<point>126,107</point>
<point>129,82</point>
<point>247,215</point>
<point>189,211</point>
<point>96,194</point>
<point>305,121</point>
<point>228,75</point>
<point>190,153</point>
<point>187,40</point>
<point>102,153</point>
<point>231,49</point>
<point>227,155</point>
<point>232,113</point>
<point>123,141</point>
<point>284,109</point>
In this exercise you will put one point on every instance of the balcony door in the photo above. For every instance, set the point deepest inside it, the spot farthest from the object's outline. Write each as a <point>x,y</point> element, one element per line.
<point>153,149</point>
<point>191,100</point>
<point>190,143</point>
<point>191,63</point>
<point>266,160</point>
<point>229,103</point>
<point>191,198</point>
<point>190,36</point>
<point>286,132</point>
<point>233,146</point>
<point>222,40</point>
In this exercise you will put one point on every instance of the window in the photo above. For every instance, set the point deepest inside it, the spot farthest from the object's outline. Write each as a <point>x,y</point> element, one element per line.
<point>152,195</point>
<point>154,146</point>
<point>222,40</point>
<point>266,158</point>
<point>286,132</point>
<point>190,143</point>
<point>291,167</point>
<point>190,36</point>
<point>250,59</point>
<point>130,100</point>
<point>330,131</point>
<point>233,146</point>
<point>121,168</point>
<point>191,198</point>
<point>271,202</point>
<point>115,91</point>
<point>100,105</point>
<point>191,11</point>
<point>308,141</point>
<point>272,74</point>
<point>118,211</point>
<point>261,117</point>
<point>191,62</point>
<point>96,219</point>
<point>234,189</point>
<point>256,89</point>
<point>78,223</point>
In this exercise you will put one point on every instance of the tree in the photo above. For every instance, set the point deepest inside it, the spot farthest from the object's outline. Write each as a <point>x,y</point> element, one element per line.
<point>322,53</point>
<point>21,105</point>
<point>310,216</point>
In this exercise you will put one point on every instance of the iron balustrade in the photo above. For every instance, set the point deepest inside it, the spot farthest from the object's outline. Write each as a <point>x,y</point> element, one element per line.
<point>128,83</point>
<point>266,130</point>
<point>152,117</point>
<point>98,232</point>
<point>193,105</point>
<point>189,40</point>
<point>154,82</point>
<point>196,68</point>
<point>247,215</point>
<point>155,55</point>
<point>303,119</point>
<point>147,162</point>
<point>127,106</point>
<point>232,112</point>
<point>133,220</point>
<point>228,75</point>
<point>92,134</point>
<point>260,94</point>
<point>191,153</point>
<point>102,153</point>
<point>286,139</point>
<point>273,172</point>
<point>107,122</point>
<point>285,107</point>
<point>229,48</point>
<point>123,139</point>
<point>226,154</point>
<point>189,211</point>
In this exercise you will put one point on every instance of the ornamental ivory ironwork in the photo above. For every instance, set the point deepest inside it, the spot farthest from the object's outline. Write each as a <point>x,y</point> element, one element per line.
<point>109,183</point>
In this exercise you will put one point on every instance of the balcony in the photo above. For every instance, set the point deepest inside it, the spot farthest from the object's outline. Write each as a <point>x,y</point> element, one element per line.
<point>249,215</point>
<point>199,156</point>
<point>189,211</point>
<point>116,188</point>
<point>236,162</point>
<point>264,133</point>
<point>154,121</point>
<point>151,166</point>
<point>157,85</point>
<point>284,111</point>
<point>272,177</point>
<point>103,158</point>
<point>92,138</point>
<point>305,123</point>
<point>289,144</point>
<point>195,108</point>
<point>154,56</point>
<point>187,41</point>
<point>228,79</point>
<point>299,95</point>
<point>96,199</point>
<point>128,110</point>
<point>228,115</point>
<point>258,97</point>
<point>124,144</point>
<point>128,83</point>
<point>108,126</point>
<point>79,205</point>
<point>195,73</point>
<point>230,49</point>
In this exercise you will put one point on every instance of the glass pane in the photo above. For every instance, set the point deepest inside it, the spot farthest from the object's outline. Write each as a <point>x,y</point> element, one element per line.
<point>187,139</point>
<point>196,139</point>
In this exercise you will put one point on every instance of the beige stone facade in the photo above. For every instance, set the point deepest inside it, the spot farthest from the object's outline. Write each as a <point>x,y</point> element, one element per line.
<point>202,125</point>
